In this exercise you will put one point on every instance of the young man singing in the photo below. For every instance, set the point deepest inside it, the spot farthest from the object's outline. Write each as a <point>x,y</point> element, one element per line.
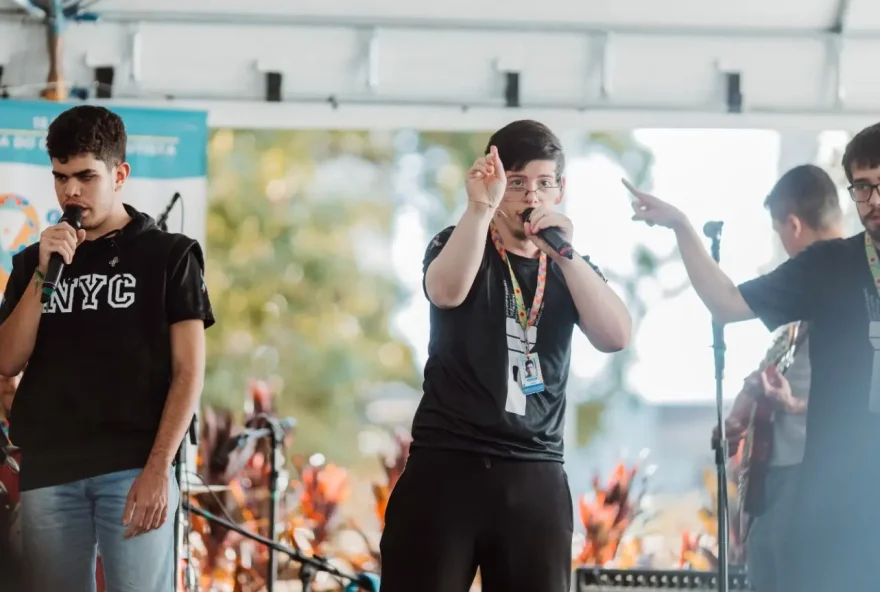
<point>484,485</point>
<point>834,529</point>
<point>114,368</point>
<point>805,208</point>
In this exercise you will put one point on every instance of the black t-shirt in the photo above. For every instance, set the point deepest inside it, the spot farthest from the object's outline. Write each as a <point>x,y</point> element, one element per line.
<point>92,395</point>
<point>472,399</point>
<point>830,284</point>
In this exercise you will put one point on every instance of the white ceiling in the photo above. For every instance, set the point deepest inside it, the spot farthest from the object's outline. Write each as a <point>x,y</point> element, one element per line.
<point>441,56</point>
<point>748,15</point>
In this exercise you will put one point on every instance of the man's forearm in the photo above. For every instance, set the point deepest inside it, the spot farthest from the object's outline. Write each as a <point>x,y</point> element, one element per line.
<point>18,334</point>
<point>602,315</point>
<point>177,415</point>
<point>715,289</point>
<point>450,276</point>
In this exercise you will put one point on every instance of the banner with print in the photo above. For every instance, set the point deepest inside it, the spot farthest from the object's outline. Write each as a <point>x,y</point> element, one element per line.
<point>167,151</point>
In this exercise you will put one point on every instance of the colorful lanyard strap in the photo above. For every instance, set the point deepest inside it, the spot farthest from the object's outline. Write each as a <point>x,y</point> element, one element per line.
<point>873,262</point>
<point>525,320</point>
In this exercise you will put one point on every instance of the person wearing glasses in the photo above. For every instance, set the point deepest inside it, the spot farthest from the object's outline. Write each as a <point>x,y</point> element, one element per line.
<point>833,532</point>
<point>484,486</point>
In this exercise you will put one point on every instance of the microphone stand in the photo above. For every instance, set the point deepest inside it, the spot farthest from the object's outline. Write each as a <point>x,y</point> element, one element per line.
<point>276,438</point>
<point>307,575</point>
<point>247,441</point>
<point>181,526</point>
<point>312,565</point>
<point>162,221</point>
<point>712,230</point>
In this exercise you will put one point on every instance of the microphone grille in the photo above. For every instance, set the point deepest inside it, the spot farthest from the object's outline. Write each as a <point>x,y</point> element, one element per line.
<point>73,216</point>
<point>526,214</point>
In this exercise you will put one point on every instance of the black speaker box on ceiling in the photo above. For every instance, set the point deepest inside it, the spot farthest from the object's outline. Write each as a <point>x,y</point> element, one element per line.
<point>274,82</point>
<point>511,89</point>
<point>104,80</point>
<point>733,82</point>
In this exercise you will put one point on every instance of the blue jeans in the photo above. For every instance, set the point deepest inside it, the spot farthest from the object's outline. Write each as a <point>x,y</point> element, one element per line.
<point>63,527</point>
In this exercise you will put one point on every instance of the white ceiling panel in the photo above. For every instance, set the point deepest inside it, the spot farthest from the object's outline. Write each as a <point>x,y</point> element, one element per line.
<point>750,14</point>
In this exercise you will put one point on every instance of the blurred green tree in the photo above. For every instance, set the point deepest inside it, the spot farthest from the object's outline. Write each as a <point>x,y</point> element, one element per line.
<point>301,291</point>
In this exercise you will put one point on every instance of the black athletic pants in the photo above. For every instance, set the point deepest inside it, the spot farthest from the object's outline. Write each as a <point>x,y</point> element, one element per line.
<point>452,512</point>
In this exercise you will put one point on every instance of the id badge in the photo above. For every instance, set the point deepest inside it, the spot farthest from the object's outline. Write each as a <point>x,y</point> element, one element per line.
<point>531,379</point>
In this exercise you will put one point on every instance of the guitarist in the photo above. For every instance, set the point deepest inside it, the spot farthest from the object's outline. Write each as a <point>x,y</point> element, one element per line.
<point>804,208</point>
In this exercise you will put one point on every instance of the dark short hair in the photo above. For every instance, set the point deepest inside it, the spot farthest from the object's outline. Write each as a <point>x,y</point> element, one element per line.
<point>524,141</point>
<point>807,192</point>
<point>87,129</point>
<point>862,151</point>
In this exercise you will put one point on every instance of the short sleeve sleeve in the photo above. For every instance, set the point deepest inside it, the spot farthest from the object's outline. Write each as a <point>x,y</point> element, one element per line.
<point>435,246</point>
<point>15,287</point>
<point>791,291</point>
<point>186,292</point>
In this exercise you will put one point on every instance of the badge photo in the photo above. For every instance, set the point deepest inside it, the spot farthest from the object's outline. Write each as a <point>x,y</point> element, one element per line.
<point>531,378</point>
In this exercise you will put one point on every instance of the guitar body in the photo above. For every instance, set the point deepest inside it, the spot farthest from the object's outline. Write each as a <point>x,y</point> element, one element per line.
<point>757,446</point>
<point>755,463</point>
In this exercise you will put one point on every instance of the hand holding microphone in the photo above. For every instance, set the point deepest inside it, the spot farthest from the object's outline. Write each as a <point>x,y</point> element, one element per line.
<point>549,230</point>
<point>57,246</point>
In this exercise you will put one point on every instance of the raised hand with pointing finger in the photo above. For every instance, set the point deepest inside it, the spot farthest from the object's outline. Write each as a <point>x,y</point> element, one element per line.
<point>486,181</point>
<point>652,210</point>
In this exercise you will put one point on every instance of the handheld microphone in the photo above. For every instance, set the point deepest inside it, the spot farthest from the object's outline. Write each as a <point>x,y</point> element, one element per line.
<point>552,237</point>
<point>73,216</point>
<point>712,228</point>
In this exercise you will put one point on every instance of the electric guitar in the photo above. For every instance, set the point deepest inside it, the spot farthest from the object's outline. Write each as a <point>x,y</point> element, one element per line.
<point>757,445</point>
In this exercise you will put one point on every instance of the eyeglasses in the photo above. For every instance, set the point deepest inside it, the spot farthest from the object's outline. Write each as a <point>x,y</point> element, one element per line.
<point>522,193</point>
<point>862,191</point>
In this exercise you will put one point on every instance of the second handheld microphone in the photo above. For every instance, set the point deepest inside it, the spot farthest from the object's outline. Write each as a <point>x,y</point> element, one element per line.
<point>552,237</point>
<point>73,216</point>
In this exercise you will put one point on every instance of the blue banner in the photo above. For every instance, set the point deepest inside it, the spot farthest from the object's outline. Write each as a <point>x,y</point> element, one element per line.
<point>162,144</point>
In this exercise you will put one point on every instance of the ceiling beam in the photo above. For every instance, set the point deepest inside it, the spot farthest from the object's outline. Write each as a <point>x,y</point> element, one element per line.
<point>281,20</point>
<point>395,115</point>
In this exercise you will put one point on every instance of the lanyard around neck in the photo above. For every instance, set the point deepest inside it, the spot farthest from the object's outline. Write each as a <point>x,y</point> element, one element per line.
<point>873,262</point>
<point>525,320</point>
